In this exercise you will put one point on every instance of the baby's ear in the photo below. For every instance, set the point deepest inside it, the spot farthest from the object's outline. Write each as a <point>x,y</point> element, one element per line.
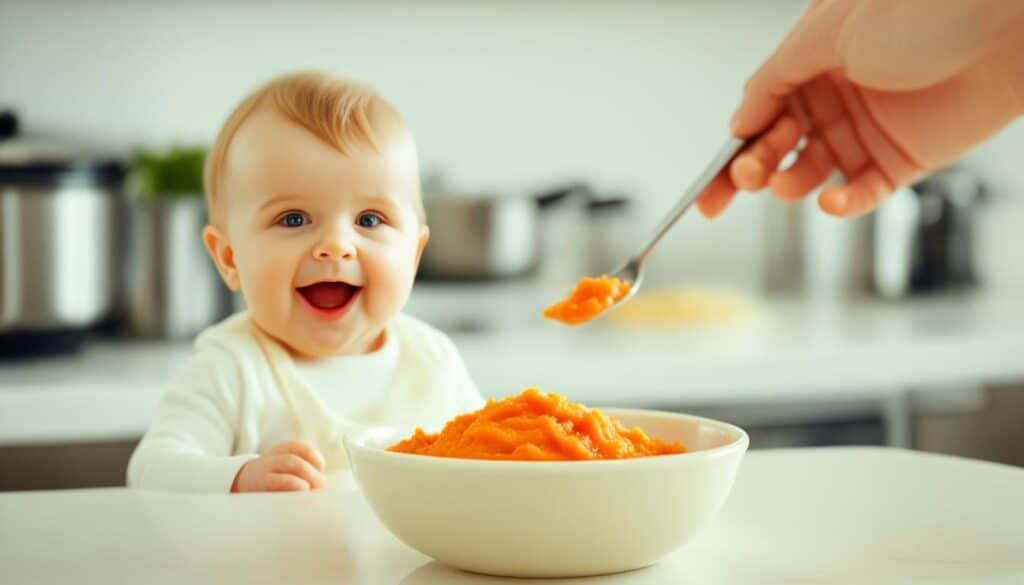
<point>223,256</point>
<point>424,236</point>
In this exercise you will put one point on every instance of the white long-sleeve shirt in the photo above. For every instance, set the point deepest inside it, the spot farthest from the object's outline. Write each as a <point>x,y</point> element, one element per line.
<point>242,393</point>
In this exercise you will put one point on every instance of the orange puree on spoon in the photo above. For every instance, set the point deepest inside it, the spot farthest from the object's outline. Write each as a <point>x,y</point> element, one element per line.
<point>535,427</point>
<point>591,297</point>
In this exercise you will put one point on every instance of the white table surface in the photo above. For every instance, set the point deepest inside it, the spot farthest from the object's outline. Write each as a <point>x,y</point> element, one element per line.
<point>796,349</point>
<point>831,515</point>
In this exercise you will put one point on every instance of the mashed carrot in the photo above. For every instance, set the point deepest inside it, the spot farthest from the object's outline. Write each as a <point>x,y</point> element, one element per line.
<point>535,427</point>
<point>590,298</point>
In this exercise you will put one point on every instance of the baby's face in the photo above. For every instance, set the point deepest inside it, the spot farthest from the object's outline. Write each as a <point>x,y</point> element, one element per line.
<point>325,245</point>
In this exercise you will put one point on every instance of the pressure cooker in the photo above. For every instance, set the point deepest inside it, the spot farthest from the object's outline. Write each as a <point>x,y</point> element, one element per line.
<point>59,234</point>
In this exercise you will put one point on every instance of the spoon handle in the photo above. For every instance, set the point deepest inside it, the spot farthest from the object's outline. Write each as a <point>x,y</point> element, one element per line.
<point>719,162</point>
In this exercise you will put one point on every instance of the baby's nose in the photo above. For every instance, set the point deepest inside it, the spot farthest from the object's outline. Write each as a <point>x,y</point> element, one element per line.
<point>334,247</point>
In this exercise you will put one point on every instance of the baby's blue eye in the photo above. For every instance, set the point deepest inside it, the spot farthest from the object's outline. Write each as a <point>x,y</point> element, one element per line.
<point>293,220</point>
<point>369,220</point>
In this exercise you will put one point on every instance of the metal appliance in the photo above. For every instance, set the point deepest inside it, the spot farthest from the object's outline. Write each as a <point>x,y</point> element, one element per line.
<point>923,237</point>
<point>482,237</point>
<point>487,237</point>
<point>60,212</point>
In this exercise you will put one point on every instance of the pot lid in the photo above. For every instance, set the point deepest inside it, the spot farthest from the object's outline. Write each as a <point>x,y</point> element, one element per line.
<point>39,160</point>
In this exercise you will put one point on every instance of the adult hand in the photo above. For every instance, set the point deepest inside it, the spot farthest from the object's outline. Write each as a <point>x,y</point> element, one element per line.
<point>884,91</point>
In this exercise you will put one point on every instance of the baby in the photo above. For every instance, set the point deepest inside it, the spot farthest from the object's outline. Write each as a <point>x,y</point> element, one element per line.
<point>315,216</point>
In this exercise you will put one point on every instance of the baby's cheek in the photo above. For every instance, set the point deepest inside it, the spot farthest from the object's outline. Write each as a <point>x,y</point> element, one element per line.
<point>390,277</point>
<point>268,288</point>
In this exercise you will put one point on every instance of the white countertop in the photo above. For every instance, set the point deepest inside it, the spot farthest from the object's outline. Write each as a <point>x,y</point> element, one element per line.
<point>794,348</point>
<point>833,515</point>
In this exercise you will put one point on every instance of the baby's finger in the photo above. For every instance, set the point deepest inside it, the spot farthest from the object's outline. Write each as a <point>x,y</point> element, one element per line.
<point>716,196</point>
<point>302,449</point>
<point>299,467</point>
<point>283,482</point>
<point>861,194</point>
<point>810,170</point>
<point>752,168</point>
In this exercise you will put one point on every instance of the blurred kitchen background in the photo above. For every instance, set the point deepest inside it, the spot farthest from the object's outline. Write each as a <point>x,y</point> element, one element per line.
<point>552,137</point>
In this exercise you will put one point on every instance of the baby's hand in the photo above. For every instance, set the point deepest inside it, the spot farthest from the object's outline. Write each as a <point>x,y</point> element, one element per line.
<point>294,466</point>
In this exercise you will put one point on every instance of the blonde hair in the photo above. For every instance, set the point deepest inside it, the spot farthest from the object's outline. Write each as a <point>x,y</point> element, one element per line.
<point>336,110</point>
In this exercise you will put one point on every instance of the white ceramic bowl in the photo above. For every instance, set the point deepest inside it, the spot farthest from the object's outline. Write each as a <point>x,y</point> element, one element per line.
<point>553,519</point>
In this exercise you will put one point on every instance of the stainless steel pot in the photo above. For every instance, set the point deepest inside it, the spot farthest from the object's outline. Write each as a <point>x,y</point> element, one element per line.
<point>491,237</point>
<point>174,290</point>
<point>59,229</point>
<point>479,237</point>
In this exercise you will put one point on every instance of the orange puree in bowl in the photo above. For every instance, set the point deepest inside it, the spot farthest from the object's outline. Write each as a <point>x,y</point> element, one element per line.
<point>590,298</point>
<point>535,427</point>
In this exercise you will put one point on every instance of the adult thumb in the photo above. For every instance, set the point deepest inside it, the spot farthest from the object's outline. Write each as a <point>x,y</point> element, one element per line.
<point>810,49</point>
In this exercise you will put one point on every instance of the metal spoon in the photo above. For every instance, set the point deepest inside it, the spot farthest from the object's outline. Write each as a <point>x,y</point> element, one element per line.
<point>633,271</point>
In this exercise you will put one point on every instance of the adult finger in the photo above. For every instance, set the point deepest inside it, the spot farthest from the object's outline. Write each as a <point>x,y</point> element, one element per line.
<point>808,50</point>
<point>897,167</point>
<point>752,168</point>
<point>859,195</point>
<point>834,124</point>
<point>716,197</point>
<point>811,169</point>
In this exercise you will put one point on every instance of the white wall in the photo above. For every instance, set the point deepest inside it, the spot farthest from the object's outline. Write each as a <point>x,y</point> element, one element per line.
<point>633,96</point>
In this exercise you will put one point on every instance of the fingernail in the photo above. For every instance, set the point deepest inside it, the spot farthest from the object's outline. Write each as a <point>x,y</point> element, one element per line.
<point>734,122</point>
<point>704,209</point>
<point>835,203</point>
<point>748,173</point>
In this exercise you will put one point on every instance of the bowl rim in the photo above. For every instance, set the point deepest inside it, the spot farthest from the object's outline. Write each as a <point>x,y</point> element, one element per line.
<point>740,442</point>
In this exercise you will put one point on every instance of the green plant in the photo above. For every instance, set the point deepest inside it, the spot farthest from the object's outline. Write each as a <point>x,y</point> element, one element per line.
<point>176,172</point>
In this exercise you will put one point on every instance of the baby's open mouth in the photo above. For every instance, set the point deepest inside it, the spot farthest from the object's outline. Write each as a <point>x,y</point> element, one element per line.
<point>328,295</point>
